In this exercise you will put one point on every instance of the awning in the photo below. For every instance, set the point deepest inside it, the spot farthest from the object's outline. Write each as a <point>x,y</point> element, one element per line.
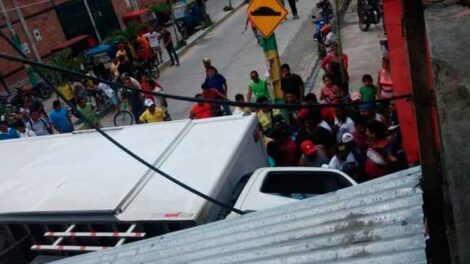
<point>98,49</point>
<point>70,42</point>
<point>135,14</point>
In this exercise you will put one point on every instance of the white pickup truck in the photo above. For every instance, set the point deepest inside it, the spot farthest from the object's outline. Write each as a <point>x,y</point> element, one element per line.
<point>76,193</point>
<point>270,187</point>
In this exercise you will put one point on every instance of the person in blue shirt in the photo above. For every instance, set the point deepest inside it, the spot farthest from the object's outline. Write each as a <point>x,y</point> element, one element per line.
<point>60,119</point>
<point>7,132</point>
<point>217,81</point>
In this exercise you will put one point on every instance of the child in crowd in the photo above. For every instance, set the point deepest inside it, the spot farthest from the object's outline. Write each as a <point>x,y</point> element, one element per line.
<point>368,91</point>
<point>241,110</point>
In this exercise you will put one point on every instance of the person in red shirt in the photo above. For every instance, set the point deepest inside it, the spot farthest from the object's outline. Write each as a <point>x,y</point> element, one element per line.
<point>201,110</point>
<point>149,85</point>
<point>288,153</point>
<point>144,45</point>
<point>331,65</point>
<point>379,160</point>
<point>212,93</point>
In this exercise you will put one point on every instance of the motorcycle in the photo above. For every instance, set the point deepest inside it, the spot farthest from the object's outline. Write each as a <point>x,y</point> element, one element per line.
<point>40,90</point>
<point>326,13</point>
<point>326,9</point>
<point>369,12</point>
<point>318,36</point>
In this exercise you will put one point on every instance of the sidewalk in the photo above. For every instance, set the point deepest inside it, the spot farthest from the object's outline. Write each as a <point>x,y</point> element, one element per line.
<point>216,13</point>
<point>362,48</point>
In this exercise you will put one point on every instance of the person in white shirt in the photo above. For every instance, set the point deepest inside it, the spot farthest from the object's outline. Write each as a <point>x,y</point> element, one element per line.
<point>343,124</point>
<point>342,157</point>
<point>154,40</point>
<point>23,131</point>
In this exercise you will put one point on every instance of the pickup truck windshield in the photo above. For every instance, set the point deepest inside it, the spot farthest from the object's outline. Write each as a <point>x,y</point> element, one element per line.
<point>301,185</point>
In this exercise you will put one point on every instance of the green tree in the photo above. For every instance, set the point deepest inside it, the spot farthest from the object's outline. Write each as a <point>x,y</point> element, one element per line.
<point>128,35</point>
<point>65,60</point>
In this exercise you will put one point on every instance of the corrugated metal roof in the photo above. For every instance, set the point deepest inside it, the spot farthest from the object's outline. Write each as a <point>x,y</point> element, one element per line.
<point>380,221</point>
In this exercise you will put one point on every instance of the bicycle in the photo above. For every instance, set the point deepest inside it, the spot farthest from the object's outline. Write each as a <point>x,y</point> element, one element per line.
<point>124,117</point>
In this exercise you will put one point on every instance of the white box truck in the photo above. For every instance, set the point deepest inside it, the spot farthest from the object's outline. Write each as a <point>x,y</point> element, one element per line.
<point>73,193</point>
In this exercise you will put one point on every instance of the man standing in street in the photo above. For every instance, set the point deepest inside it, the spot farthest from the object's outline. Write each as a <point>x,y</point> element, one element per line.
<point>166,36</point>
<point>291,83</point>
<point>134,97</point>
<point>217,81</point>
<point>293,8</point>
<point>153,114</point>
<point>60,119</point>
<point>154,40</point>
<point>38,124</point>
<point>257,87</point>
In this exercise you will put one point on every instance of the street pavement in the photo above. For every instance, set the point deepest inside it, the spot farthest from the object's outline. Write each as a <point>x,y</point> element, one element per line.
<point>234,54</point>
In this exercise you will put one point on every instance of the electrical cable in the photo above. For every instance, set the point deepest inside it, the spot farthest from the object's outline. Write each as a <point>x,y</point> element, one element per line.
<point>82,118</point>
<point>27,5</point>
<point>192,99</point>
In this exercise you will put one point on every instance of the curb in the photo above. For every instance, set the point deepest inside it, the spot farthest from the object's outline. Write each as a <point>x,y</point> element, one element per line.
<point>200,34</point>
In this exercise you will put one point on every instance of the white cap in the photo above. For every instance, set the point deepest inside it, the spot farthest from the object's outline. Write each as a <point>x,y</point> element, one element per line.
<point>206,60</point>
<point>148,102</point>
<point>347,137</point>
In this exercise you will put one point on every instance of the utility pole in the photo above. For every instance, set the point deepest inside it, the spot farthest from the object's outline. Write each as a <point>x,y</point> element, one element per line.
<point>173,22</point>
<point>134,5</point>
<point>338,38</point>
<point>424,101</point>
<point>92,19</point>
<point>229,6</point>
<point>16,40</point>
<point>26,30</point>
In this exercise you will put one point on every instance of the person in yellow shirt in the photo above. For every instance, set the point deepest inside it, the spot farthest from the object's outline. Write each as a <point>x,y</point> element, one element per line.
<point>66,90</point>
<point>265,116</point>
<point>122,51</point>
<point>153,114</point>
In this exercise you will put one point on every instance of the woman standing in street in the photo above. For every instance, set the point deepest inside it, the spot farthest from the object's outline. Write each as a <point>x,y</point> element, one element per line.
<point>384,80</point>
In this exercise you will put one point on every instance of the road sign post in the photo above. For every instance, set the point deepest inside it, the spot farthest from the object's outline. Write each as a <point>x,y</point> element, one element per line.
<point>274,66</point>
<point>266,15</point>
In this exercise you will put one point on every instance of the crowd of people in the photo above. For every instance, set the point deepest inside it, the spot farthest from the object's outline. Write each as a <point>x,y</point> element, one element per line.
<point>353,132</point>
<point>339,129</point>
<point>92,97</point>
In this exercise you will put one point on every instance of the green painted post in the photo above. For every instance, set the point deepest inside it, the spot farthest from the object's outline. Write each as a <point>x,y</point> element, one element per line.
<point>272,56</point>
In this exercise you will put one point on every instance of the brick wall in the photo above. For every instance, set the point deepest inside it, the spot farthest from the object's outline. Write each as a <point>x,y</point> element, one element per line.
<point>121,7</point>
<point>40,17</point>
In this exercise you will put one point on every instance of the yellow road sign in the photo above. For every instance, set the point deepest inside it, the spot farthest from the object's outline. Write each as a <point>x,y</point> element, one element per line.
<point>266,15</point>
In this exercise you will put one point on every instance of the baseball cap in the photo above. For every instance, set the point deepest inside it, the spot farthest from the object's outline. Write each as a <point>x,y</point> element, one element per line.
<point>326,28</point>
<point>347,137</point>
<point>148,102</point>
<point>206,60</point>
<point>308,148</point>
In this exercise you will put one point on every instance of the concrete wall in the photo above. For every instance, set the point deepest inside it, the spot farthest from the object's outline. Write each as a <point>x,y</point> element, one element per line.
<point>449,36</point>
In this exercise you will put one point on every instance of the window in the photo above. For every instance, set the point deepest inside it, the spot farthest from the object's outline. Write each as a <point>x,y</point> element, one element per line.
<point>301,184</point>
